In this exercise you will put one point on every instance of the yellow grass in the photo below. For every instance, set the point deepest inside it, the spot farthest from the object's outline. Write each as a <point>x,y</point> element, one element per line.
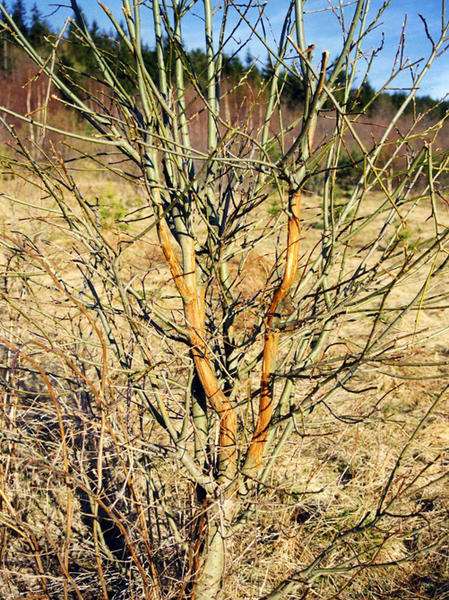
<point>332,471</point>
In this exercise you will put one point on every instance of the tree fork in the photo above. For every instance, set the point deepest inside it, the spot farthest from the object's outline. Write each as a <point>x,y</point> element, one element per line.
<point>194,311</point>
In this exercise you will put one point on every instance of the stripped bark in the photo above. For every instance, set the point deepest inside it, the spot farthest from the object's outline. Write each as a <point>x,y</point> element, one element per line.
<point>270,349</point>
<point>193,303</point>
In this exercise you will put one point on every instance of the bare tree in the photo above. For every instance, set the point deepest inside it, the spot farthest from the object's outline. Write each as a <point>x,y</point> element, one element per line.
<point>173,361</point>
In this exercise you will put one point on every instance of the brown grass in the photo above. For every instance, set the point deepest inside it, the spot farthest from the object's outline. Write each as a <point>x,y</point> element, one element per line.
<point>329,476</point>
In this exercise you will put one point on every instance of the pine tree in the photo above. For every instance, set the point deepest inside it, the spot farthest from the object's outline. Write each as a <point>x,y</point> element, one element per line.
<point>268,68</point>
<point>95,32</point>
<point>20,16</point>
<point>38,29</point>
<point>4,49</point>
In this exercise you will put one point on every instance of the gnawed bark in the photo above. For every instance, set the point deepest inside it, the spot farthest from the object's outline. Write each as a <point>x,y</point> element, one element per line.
<point>194,311</point>
<point>266,401</point>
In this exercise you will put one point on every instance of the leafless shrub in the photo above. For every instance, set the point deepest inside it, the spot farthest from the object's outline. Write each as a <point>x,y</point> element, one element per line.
<point>184,372</point>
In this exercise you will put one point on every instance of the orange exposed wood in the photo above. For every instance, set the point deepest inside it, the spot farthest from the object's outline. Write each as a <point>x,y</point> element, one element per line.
<point>266,403</point>
<point>194,311</point>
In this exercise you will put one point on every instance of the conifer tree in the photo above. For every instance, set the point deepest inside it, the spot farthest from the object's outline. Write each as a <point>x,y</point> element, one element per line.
<point>4,49</point>
<point>20,16</point>
<point>39,28</point>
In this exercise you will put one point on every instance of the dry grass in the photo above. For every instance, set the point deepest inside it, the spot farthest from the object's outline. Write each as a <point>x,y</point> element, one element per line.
<point>328,478</point>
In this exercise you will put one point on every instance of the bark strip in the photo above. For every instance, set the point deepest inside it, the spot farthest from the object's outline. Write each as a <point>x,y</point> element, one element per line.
<point>266,401</point>
<point>194,311</point>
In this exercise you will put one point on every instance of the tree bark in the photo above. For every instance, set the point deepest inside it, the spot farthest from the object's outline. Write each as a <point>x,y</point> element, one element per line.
<point>212,552</point>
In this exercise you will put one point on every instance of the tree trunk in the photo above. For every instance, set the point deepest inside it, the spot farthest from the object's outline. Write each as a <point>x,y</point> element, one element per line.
<point>212,554</point>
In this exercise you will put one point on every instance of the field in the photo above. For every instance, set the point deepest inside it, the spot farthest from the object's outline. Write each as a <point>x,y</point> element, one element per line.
<point>328,477</point>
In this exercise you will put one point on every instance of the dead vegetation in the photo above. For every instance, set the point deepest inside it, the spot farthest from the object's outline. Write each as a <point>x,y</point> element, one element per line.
<point>327,480</point>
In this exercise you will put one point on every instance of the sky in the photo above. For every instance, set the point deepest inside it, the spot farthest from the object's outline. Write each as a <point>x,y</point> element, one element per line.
<point>322,29</point>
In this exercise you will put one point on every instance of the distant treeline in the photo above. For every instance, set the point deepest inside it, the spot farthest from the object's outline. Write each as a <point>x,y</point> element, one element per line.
<point>77,59</point>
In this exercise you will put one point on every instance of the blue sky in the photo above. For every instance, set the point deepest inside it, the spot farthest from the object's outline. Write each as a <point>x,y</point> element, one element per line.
<point>322,29</point>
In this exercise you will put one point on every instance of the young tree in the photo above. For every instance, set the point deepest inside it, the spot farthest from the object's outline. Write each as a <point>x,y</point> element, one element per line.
<point>192,350</point>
